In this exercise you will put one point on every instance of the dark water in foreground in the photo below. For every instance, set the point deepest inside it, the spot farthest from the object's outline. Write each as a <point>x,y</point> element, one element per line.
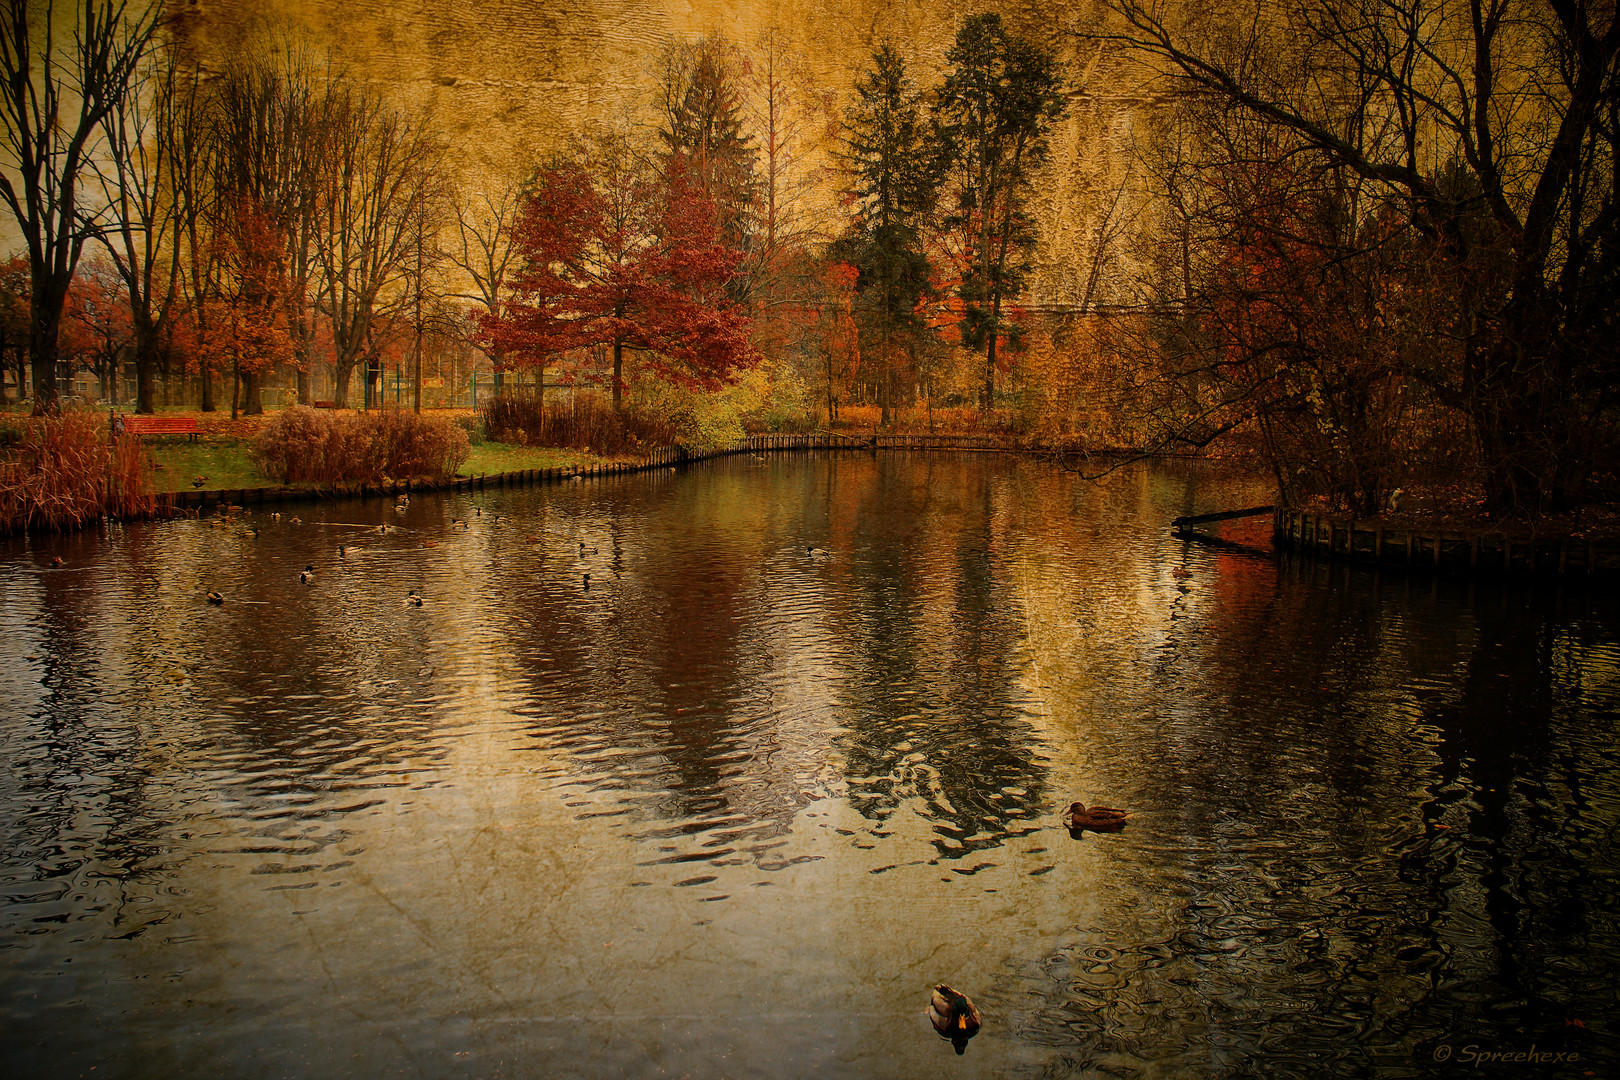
<point>731,811</point>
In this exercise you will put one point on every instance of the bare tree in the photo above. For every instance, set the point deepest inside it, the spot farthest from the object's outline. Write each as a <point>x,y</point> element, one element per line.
<point>382,187</point>
<point>151,135</point>
<point>1488,128</point>
<point>481,249</point>
<point>274,112</point>
<point>56,98</point>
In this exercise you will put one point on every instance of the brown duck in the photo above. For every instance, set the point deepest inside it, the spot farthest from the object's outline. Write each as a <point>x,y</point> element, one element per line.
<point>1097,818</point>
<point>953,1016</point>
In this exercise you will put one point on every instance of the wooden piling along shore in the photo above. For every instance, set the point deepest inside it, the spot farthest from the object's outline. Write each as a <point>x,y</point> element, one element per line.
<point>1467,551</point>
<point>185,502</point>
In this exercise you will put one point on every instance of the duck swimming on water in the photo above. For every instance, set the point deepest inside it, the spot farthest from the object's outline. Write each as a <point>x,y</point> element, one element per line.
<point>1097,818</point>
<point>953,1016</point>
<point>306,576</point>
<point>215,598</point>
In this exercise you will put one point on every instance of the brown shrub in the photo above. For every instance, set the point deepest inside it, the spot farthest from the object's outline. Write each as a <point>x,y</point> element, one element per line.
<point>304,445</point>
<point>584,424</point>
<point>412,445</point>
<point>61,471</point>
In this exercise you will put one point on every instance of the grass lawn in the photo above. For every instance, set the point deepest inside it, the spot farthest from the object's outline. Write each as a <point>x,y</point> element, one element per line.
<point>226,464</point>
<point>491,457</point>
<point>224,461</point>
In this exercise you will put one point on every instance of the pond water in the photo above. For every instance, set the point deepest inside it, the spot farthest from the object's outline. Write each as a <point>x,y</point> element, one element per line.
<point>731,810</point>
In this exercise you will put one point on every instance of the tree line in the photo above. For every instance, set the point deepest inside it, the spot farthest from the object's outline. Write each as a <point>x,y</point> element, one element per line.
<point>1377,242</point>
<point>274,215</point>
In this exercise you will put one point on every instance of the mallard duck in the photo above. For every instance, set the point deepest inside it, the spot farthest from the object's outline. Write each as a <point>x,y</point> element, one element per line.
<point>458,523</point>
<point>215,598</point>
<point>587,581</point>
<point>1097,818</point>
<point>399,508</point>
<point>953,1016</point>
<point>56,560</point>
<point>816,552</point>
<point>343,551</point>
<point>384,527</point>
<point>198,481</point>
<point>414,598</point>
<point>275,516</point>
<point>306,576</point>
<point>402,499</point>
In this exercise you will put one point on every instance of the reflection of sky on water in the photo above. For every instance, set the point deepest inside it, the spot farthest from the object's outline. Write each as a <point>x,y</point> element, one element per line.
<point>656,822</point>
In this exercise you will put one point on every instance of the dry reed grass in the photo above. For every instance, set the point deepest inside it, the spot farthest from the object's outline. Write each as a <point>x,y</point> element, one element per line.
<point>58,472</point>
<point>585,425</point>
<point>303,445</point>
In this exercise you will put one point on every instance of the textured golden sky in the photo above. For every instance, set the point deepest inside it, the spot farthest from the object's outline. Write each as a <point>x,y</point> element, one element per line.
<point>508,81</point>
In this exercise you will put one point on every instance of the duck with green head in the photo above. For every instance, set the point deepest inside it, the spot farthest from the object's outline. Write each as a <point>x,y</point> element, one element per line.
<point>953,1015</point>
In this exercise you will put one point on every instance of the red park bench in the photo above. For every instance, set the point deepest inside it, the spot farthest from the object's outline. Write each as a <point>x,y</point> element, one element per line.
<point>160,425</point>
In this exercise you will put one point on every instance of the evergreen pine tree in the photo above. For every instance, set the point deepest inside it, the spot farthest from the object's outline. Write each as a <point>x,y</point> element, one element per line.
<point>995,110</point>
<point>892,160</point>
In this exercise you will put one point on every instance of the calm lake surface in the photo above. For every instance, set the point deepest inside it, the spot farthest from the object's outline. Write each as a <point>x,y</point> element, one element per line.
<point>734,808</point>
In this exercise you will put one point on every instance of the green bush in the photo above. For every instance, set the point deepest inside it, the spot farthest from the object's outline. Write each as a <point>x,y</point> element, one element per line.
<point>304,445</point>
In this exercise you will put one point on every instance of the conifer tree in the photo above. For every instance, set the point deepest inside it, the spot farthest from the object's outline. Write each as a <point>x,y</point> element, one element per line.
<point>995,109</point>
<point>894,172</point>
<point>704,140</point>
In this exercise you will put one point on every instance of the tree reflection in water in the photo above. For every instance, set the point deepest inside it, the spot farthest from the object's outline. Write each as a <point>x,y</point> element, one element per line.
<point>632,828</point>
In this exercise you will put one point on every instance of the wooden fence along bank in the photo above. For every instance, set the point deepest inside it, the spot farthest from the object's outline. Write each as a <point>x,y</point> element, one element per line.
<point>1471,551</point>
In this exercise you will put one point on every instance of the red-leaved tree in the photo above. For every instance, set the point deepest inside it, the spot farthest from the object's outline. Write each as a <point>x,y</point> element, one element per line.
<point>614,257</point>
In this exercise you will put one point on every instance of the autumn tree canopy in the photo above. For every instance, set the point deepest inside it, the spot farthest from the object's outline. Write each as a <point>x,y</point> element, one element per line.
<point>616,256</point>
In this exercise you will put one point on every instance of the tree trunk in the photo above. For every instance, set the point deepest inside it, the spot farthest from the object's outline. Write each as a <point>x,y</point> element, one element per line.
<point>145,384</point>
<point>252,394</point>
<point>618,373</point>
<point>887,375</point>
<point>341,375</point>
<point>45,322</point>
<point>989,372</point>
<point>146,365</point>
